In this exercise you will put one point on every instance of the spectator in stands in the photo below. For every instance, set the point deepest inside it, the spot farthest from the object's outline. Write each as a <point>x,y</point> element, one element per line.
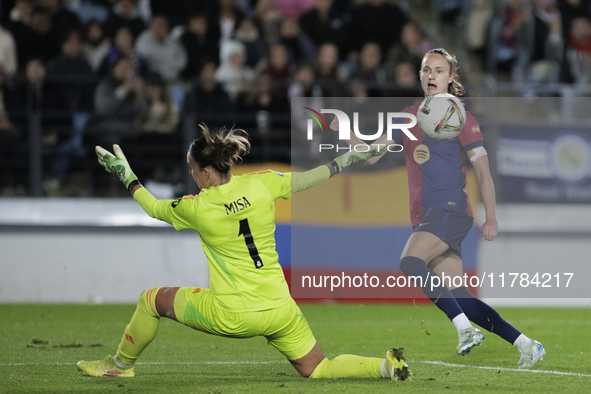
<point>377,21</point>
<point>162,115</point>
<point>370,69</point>
<point>548,45</point>
<point>118,101</point>
<point>449,10</point>
<point>259,96</point>
<point>224,18</point>
<point>515,14</point>
<point>96,45</point>
<point>200,45</point>
<point>578,51</point>
<point>478,26</point>
<point>21,12</point>
<point>278,68</point>
<point>38,95</point>
<point>406,81</point>
<point>358,88</point>
<point>293,9</point>
<point>571,9</point>
<point>268,18</point>
<point>21,17</point>
<point>8,60</point>
<point>300,47</point>
<point>7,130</point>
<point>163,54</point>
<point>73,73</point>
<point>123,46</point>
<point>304,84</point>
<point>62,19</point>
<point>9,138</point>
<point>176,11</point>
<point>36,41</point>
<point>325,23</point>
<point>208,97</point>
<point>124,14</point>
<point>259,99</point>
<point>249,34</point>
<point>304,91</point>
<point>233,73</point>
<point>408,49</point>
<point>33,93</point>
<point>327,69</point>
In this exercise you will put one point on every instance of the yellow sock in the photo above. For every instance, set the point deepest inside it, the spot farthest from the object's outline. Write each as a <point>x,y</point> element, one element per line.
<point>349,366</point>
<point>142,328</point>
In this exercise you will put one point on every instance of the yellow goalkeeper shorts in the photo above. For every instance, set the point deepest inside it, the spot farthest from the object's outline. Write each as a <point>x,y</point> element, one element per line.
<point>285,328</point>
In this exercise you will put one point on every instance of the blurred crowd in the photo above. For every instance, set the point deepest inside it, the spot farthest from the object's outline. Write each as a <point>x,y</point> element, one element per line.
<point>87,72</point>
<point>543,41</point>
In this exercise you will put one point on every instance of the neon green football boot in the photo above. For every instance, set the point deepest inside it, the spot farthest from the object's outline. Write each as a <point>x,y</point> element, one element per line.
<point>396,365</point>
<point>104,367</point>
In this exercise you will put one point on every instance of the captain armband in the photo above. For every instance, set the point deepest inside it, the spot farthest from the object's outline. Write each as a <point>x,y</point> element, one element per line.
<point>479,152</point>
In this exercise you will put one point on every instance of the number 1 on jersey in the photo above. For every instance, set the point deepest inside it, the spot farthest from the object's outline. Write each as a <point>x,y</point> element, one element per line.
<point>248,238</point>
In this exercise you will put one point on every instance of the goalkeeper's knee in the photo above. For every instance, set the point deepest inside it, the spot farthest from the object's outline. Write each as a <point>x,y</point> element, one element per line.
<point>147,302</point>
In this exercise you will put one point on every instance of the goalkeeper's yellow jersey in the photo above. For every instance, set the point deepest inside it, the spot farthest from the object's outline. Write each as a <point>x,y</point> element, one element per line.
<point>236,223</point>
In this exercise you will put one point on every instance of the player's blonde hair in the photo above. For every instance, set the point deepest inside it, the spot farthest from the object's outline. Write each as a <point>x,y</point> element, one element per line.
<point>455,87</point>
<point>221,148</point>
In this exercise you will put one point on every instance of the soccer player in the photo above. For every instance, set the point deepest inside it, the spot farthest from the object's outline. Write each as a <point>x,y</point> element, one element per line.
<point>235,218</point>
<point>441,214</point>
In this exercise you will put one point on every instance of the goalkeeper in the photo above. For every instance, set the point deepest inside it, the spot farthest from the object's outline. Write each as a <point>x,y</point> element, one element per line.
<point>235,218</point>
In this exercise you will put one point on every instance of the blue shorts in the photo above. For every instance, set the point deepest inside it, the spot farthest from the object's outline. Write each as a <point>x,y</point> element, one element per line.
<point>449,226</point>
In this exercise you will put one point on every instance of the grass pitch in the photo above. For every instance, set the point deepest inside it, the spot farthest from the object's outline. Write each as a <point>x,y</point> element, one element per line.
<point>40,345</point>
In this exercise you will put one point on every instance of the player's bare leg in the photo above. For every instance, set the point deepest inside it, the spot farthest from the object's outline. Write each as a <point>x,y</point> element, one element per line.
<point>307,364</point>
<point>421,248</point>
<point>449,265</point>
<point>165,302</point>
<point>424,245</point>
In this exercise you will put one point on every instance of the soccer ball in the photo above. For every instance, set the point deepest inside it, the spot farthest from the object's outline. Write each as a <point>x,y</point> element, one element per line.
<point>441,117</point>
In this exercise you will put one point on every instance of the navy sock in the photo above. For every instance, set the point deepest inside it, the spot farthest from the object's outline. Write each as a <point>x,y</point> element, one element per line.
<point>484,315</point>
<point>440,295</point>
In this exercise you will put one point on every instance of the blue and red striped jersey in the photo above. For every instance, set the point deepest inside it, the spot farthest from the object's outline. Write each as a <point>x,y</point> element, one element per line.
<point>436,169</point>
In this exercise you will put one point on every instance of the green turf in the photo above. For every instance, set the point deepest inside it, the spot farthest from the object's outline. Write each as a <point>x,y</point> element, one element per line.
<point>181,360</point>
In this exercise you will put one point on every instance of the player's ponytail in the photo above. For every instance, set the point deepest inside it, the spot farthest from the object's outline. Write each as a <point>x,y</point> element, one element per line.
<point>455,87</point>
<point>221,148</point>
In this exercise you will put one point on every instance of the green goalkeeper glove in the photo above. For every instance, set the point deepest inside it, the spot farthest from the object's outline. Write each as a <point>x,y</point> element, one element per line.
<point>117,164</point>
<point>344,161</point>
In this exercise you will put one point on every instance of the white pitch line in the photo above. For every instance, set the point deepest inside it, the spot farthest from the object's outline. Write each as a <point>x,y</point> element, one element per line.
<point>280,362</point>
<point>158,363</point>
<point>505,369</point>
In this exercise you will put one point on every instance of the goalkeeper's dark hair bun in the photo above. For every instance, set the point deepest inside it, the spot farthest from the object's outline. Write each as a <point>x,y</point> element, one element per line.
<point>220,148</point>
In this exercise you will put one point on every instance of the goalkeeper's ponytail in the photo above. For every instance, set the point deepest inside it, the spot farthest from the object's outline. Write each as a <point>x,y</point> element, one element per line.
<point>221,148</point>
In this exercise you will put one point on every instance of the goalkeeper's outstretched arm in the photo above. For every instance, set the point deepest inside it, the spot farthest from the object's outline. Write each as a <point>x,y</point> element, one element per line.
<point>118,165</point>
<point>354,141</point>
<point>162,209</point>
<point>307,179</point>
